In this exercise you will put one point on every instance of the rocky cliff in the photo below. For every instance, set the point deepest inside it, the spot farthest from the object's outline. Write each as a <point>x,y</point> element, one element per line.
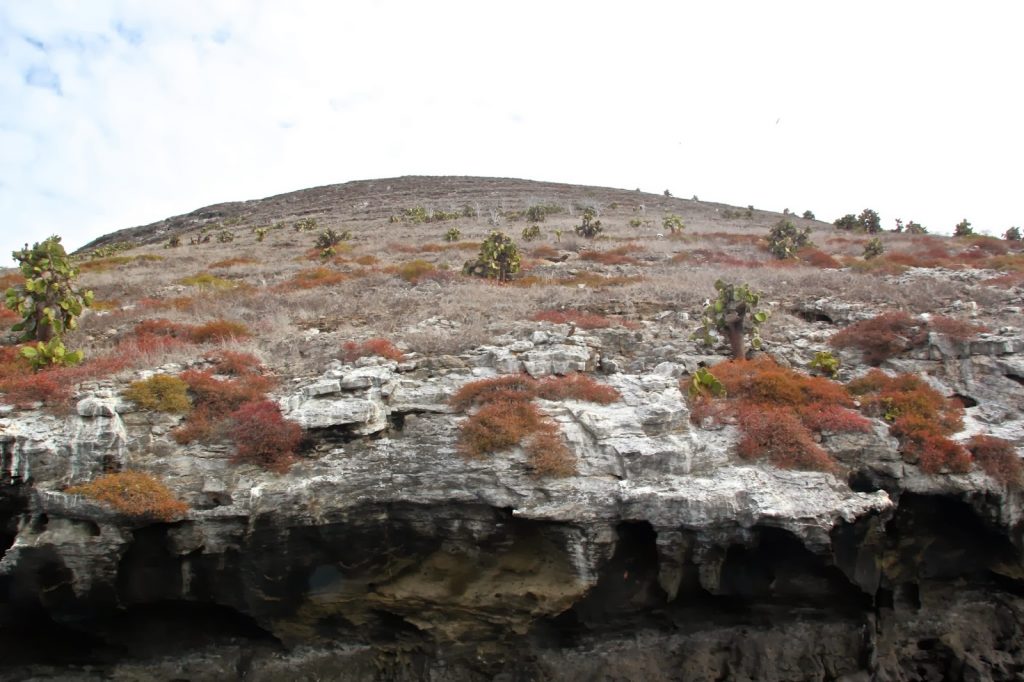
<point>386,554</point>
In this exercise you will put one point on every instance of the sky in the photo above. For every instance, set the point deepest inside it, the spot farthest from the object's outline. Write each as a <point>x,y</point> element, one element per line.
<point>119,113</point>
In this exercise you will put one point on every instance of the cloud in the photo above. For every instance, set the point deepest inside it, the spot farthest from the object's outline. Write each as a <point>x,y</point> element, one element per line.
<point>43,77</point>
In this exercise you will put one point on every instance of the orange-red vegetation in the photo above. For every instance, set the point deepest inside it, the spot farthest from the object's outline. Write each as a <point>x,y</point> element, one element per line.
<point>955,330</point>
<point>921,418</point>
<point>818,258</point>
<point>237,364</point>
<point>506,417</point>
<point>218,331</point>
<point>214,331</point>
<point>575,387</point>
<point>778,435</point>
<point>998,458</point>
<point>23,387</point>
<point>313,277</point>
<point>352,351</point>
<point>366,260</point>
<point>937,454</point>
<point>11,279</point>
<point>763,381</point>
<point>881,337</point>
<point>133,494</point>
<point>778,410</point>
<point>214,399</point>
<point>263,437</point>
<point>8,316</point>
<point>906,396</point>
<point>620,255</point>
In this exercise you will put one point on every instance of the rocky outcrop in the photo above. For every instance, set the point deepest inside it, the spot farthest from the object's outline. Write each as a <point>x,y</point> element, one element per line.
<point>385,554</point>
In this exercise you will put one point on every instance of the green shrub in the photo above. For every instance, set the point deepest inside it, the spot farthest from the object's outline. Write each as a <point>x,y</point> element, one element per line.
<point>530,233</point>
<point>305,225</point>
<point>329,238</point>
<point>825,362</point>
<point>808,215</point>
<point>225,236</point>
<point>453,234</point>
<point>589,227</point>
<point>47,302</point>
<point>1012,234</point>
<point>785,239</point>
<point>499,258</point>
<point>963,229</point>
<point>673,223</point>
<point>160,393</point>
<point>873,249</point>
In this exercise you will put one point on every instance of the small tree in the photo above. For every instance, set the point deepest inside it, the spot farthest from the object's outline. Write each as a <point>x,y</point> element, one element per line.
<point>499,258</point>
<point>453,234</point>
<point>1012,234</point>
<point>785,239</point>
<point>808,215</point>
<point>915,228</point>
<point>847,222</point>
<point>869,221</point>
<point>48,302</point>
<point>963,229</point>
<point>673,223</point>
<point>589,227</point>
<point>732,315</point>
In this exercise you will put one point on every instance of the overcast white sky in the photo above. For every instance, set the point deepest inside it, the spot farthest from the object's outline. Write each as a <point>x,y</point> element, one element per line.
<point>114,114</point>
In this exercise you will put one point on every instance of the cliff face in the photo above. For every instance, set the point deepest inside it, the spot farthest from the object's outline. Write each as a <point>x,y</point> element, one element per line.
<point>385,554</point>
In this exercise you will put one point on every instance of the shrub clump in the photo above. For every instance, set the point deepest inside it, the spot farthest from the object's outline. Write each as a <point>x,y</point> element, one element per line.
<point>889,334</point>
<point>262,436</point>
<point>506,417</point>
<point>919,416</point>
<point>214,399</point>
<point>998,458</point>
<point>352,350</point>
<point>133,494</point>
<point>785,239</point>
<point>778,411</point>
<point>160,393</point>
<point>881,337</point>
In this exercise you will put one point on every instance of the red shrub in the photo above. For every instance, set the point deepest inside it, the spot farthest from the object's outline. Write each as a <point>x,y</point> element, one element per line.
<point>998,458</point>
<point>777,434</point>
<point>8,316</point>
<point>217,331</point>
<point>510,387</point>
<point>833,419</point>
<point>937,454</point>
<point>352,351</point>
<point>548,454</point>
<point>955,330</point>
<point>213,399</point>
<point>544,251</point>
<point>236,363</point>
<point>263,437</point>
<point>46,387</point>
<point>881,337</point>
<point>763,381</point>
<point>231,262</point>
<point>163,327</point>
<point>617,256</point>
<point>313,277</point>
<point>134,494</point>
<point>498,426</point>
<point>818,258</point>
<point>575,387</point>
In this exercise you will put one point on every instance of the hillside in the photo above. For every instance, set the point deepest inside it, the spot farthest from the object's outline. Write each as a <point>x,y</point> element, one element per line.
<point>379,467</point>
